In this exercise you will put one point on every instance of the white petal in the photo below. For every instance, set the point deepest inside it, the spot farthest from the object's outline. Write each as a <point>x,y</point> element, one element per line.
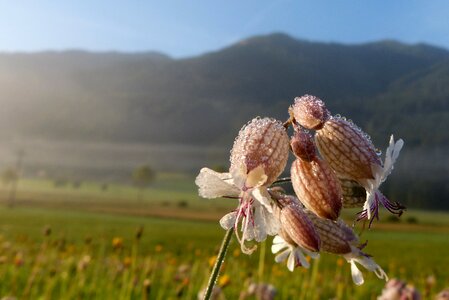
<point>261,194</point>
<point>278,240</point>
<point>391,155</point>
<point>372,266</point>
<point>247,231</point>
<point>265,220</point>
<point>357,276</point>
<point>291,262</point>
<point>239,176</point>
<point>367,262</point>
<point>276,247</point>
<point>256,177</point>
<point>260,230</point>
<point>397,149</point>
<point>388,153</point>
<point>368,201</point>
<point>378,174</point>
<point>282,256</point>
<point>302,259</point>
<point>228,221</point>
<point>380,273</point>
<point>213,184</point>
<point>272,224</point>
<point>313,255</point>
<point>247,226</point>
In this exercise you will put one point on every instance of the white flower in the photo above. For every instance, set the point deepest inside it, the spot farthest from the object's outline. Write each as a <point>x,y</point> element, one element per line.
<point>261,291</point>
<point>357,256</point>
<point>294,254</point>
<point>258,157</point>
<point>254,212</point>
<point>380,174</point>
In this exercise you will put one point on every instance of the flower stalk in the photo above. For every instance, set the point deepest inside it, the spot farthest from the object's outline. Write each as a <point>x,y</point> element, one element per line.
<point>218,263</point>
<point>281,181</point>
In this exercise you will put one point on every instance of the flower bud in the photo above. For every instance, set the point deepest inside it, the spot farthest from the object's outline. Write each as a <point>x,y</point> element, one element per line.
<point>261,148</point>
<point>310,112</point>
<point>297,226</point>
<point>347,149</point>
<point>317,187</point>
<point>282,199</point>
<point>335,236</point>
<point>351,154</point>
<point>286,237</point>
<point>303,146</point>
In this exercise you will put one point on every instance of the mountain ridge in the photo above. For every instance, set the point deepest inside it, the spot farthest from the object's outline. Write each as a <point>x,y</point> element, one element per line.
<point>136,93</point>
<point>152,99</point>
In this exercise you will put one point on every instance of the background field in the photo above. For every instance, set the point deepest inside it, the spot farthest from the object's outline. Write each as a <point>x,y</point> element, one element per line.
<point>92,250</point>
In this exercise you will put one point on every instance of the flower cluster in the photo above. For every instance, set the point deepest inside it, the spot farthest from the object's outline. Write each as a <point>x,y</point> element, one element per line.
<point>336,166</point>
<point>398,290</point>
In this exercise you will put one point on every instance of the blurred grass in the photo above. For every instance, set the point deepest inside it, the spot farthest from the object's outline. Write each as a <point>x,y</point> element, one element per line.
<point>409,251</point>
<point>170,195</point>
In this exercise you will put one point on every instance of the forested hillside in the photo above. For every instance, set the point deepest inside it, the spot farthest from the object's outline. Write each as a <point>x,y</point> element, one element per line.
<point>149,98</point>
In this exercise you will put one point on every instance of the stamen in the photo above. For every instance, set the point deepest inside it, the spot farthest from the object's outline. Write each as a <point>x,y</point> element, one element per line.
<point>395,208</point>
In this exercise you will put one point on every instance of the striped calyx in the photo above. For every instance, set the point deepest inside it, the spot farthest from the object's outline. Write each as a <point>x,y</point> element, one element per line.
<point>317,187</point>
<point>286,237</point>
<point>262,146</point>
<point>298,227</point>
<point>347,149</point>
<point>336,237</point>
<point>354,195</point>
<point>302,145</point>
<point>310,112</point>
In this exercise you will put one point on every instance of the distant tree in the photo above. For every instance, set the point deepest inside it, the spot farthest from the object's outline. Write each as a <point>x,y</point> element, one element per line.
<point>60,182</point>
<point>142,177</point>
<point>104,187</point>
<point>76,184</point>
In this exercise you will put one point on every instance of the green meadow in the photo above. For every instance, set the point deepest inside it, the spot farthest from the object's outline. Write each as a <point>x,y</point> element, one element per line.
<point>94,241</point>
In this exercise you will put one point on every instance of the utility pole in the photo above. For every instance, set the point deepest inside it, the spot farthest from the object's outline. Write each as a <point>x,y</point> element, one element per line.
<point>12,194</point>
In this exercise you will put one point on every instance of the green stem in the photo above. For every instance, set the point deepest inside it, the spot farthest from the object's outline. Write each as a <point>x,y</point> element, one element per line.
<point>220,259</point>
<point>263,246</point>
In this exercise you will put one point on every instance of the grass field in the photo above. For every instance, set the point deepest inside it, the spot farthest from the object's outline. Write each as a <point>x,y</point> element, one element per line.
<point>92,251</point>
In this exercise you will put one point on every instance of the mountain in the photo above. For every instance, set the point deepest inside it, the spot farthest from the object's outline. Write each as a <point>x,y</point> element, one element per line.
<point>420,102</point>
<point>129,97</point>
<point>151,99</point>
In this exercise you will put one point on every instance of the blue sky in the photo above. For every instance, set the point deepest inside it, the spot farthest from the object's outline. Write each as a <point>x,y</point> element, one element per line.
<point>186,28</point>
